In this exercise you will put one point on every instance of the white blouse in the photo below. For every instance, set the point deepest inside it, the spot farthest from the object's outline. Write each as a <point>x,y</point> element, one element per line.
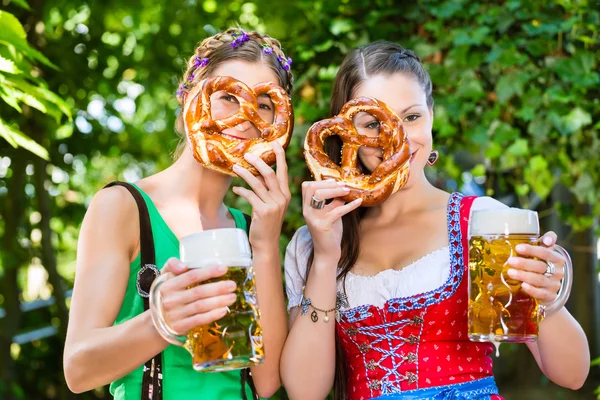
<point>425,274</point>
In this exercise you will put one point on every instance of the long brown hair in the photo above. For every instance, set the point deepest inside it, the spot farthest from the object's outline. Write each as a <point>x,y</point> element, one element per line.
<point>218,49</point>
<point>377,58</point>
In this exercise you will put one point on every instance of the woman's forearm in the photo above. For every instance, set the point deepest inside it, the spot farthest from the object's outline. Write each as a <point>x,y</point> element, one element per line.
<point>308,358</point>
<point>96,357</point>
<point>273,317</point>
<point>562,351</point>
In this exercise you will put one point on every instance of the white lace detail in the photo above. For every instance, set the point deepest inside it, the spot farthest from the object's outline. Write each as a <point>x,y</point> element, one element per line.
<point>427,273</point>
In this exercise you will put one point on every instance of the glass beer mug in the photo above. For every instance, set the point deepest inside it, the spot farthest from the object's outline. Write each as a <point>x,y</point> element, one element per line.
<point>234,341</point>
<point>499,309</point>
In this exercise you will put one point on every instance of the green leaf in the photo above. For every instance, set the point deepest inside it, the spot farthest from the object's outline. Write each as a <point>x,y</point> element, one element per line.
<point>585,189</point>
<point>494,151</point>
<point>539,127</point>
<point>478,170</point>
<point>572,122</point>
<point>541,181</point>
<point>18,139</point>
<point>65,131</point>
<point>446,9</point>
<point>503,133</point>
<point>519,148</point>
<point>340,26</point>
<point>577,119</point>
<point>323,46</point>
<point>538,163</point>
<point>41,98</point>
<point>13,34</point>
<point>510,85</point>
<point>8,95</point>
<point>522,189</point>
<point>470,87</point>
<point>8,66</point>
<point>22,4</point>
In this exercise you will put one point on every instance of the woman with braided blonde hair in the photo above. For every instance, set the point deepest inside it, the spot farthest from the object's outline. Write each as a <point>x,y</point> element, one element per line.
<point>111,336</point>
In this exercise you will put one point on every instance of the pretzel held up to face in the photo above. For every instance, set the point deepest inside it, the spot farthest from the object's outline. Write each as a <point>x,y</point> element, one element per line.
<point>221,153</point>
<point>387,178</point>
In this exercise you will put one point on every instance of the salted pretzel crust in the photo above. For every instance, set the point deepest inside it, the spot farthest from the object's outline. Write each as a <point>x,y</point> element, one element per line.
<point>387,178</point>
<point>221,153</point>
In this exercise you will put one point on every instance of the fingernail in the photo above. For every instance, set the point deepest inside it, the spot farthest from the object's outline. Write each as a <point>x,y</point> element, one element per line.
<point>231,285</point>
<point>512,273</point>
<point>232,297</point>
<point>330,180</point>
<point>181,265</point>
<point>236,167</point>
<point>520,247</point>
<point>512,260</point>
<point>346,189</point>
<point>341,183</point>
<point>222,268</point>
<point>249,156</point>
<point>548,241</point>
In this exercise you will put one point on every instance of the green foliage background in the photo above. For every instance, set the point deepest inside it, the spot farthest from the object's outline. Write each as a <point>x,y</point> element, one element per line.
<point>89,87</point>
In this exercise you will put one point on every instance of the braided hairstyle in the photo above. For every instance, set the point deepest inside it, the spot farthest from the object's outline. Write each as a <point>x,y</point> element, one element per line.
<point>218,49</point>
<point>377,58</point>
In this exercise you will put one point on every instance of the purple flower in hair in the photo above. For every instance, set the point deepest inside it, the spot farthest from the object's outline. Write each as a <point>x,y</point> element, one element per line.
<point>285,64</point>
<point>180,90</point>
<point>267,49</point>
<point>239,38</point>
<point>200,62</point>
<point>191,78</point>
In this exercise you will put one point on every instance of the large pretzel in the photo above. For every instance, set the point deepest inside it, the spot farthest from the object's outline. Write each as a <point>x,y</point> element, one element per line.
<point>221,153</point>
<point>387,178</point>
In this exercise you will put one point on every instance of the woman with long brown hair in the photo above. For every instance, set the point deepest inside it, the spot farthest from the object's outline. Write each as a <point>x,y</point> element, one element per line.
<point>396,272</point>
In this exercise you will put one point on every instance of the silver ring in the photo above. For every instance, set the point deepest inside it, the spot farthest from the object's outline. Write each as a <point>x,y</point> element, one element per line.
<point>316,203</point>
<point>550,269</point>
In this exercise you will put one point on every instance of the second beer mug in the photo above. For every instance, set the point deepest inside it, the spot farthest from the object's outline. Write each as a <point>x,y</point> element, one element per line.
<point>499,309</point>
<point>234,341</point>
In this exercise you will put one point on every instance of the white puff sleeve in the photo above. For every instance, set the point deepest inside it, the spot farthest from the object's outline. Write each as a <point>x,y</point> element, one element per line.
<point>296,260</point>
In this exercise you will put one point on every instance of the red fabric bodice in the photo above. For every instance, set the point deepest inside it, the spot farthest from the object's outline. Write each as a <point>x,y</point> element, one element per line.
<point>419,341</point>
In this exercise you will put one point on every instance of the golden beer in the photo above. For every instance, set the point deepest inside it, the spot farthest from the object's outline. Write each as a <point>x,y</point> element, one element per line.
<point>499,309</point>
<point>234,341</point>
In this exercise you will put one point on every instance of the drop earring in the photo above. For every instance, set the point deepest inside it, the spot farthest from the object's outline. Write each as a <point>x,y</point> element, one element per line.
<point>433,157</point>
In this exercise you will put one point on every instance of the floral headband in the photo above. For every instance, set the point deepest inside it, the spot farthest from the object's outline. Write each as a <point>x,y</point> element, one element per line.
<point>238,39</point>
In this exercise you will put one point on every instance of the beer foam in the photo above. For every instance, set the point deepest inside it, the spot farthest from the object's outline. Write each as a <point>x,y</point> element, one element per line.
<point>508,221</point>
<point>225,246</point>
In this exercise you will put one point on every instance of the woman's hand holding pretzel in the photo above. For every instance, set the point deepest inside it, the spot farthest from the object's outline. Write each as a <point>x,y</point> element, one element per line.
<point>325,224</point>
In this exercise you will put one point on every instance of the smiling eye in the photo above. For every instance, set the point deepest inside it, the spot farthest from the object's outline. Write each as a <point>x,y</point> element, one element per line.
<point>373,125</point>
<point>412,117</point>
<point>229,98</point>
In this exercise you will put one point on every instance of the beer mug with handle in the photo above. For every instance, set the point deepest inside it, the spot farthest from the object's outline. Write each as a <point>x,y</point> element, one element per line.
<point>234,341</point>
<point>499,309</point>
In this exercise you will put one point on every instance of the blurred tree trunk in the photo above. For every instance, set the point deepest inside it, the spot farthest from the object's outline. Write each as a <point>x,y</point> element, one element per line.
<point>48,256</point>
<point>12,259</point>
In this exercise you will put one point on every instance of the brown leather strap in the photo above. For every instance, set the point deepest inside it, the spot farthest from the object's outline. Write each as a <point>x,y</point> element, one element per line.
<point>152,376</point>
